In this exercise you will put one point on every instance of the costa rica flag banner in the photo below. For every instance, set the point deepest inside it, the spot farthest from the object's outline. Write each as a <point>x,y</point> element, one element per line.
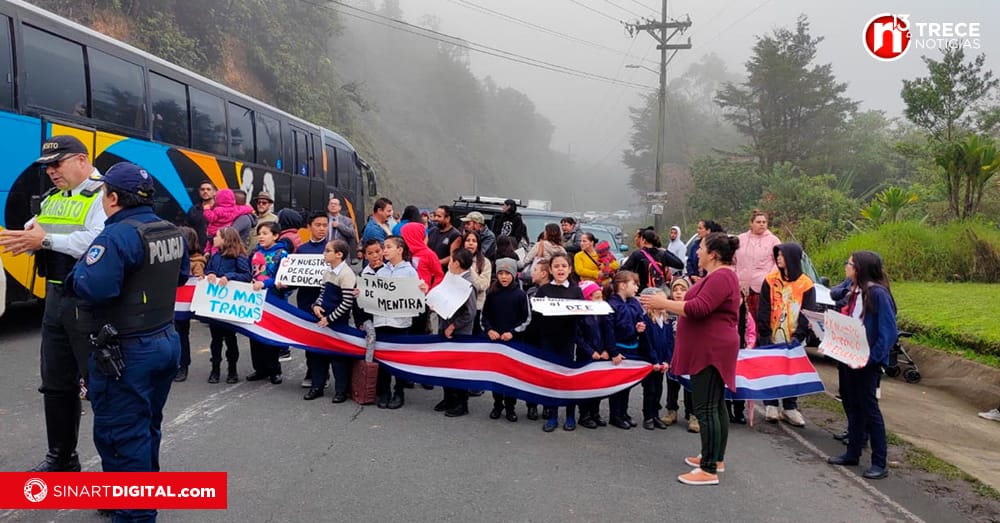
<point>511,368</point>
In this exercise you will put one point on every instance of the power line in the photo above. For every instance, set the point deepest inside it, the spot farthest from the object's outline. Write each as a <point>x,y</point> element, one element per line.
<point>637,2</point>
<point>469,45</point>
<point>619,6</point>
<point>553,32</point>
<point>605,15</point>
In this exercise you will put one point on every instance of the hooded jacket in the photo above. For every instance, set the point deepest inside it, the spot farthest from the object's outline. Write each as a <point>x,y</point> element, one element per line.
<point>428,268</point>
<point>290,221</point>
<point>784,293</point>
<point>511,224</point>
<point>224,213</point>
<point>677,246</point>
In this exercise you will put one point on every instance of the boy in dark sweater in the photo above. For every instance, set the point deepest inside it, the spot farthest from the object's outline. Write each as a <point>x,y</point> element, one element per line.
<point>456,401</point>
<point>306,296</point>
<point>505,317</point>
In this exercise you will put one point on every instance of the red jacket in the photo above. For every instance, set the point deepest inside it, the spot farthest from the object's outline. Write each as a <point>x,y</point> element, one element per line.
<point>428,267</point>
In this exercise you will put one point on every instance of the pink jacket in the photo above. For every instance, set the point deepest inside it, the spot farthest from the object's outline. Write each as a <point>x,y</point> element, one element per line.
<point>755,259</point>
<point>225,212</point>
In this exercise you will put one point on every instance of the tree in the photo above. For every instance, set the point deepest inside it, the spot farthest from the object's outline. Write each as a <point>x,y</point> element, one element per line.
<point>954,99</point>
<point>968,165</point>
<point>725,189</point>
<point>789,108</point>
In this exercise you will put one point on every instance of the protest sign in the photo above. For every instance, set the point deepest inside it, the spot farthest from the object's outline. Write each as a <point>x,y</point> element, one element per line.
<point>236,301</point>
<point>561,307</point>
<point>815,322</point>
<point>391,297</point>
<point>302,270</point>
<point>449,295</point>
<point>844,340</point>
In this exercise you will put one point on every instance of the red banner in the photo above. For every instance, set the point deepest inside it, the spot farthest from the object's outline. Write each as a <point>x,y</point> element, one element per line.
<point>113,490</point>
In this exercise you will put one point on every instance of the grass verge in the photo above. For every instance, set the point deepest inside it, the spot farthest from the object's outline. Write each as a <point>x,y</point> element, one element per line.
<point>952,316</point>
<point>916,457</point>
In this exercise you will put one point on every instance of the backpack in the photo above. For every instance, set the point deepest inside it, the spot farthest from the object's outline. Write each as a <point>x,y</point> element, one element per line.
<point>656,277</point>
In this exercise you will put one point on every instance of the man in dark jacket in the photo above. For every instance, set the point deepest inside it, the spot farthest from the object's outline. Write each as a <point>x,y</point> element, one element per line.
<point>510,223</point>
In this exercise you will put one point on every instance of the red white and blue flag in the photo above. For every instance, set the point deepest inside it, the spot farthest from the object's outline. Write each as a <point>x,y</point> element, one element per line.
<point>510,368</point>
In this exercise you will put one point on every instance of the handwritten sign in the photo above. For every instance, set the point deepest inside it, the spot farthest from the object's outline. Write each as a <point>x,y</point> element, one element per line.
<point>236,301</point>
<point>302,270</point>
<point>390,297</point>
<point>844,340</point>
<point>561,307</point>
<point>449,295</point>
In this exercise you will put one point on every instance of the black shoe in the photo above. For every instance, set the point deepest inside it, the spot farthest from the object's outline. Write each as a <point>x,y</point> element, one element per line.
<point>276,379</point>
<point>631,421</point>
<point>408,385</point>
<point>496,413</point>
<point>182,374</point>
<point>546,412</point>
<point>427,387</point>
<point>511,416</point>
<point>339,397</point>
<point>658,423</point>
<point>600,421</point>
<point>382,402</point>
<point>648,424</point>
<point>213,377</point>
<point>841,437</point>
<point>738,419</point>
<point>620,423</point>
<point>843,459</point>
<point>456,411</point>
<point>397,401</point>
<point>50,465</point>
<point>313,394</point>
<point>533,413</point>
<point>232,377</point>
<point>475,393</point>
<point>442,406</point>
<point>257,376</point>
<point>875,472</point>
<point>588,423</point>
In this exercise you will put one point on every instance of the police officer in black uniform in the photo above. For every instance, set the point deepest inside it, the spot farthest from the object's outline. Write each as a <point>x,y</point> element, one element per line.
<point>126,284</point>
<point>71,216</point>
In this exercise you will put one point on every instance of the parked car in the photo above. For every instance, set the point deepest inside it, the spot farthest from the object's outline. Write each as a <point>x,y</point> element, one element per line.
<point>605,234</point>
<point>621,215</point>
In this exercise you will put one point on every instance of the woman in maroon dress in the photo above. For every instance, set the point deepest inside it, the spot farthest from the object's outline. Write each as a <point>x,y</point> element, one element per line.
<point>706,348</point>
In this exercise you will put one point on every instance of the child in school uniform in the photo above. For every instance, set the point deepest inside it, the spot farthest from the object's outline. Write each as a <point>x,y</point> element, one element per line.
<point>628,327</point>
<point>596,342</point>
<point>229,263</point>
<point>397,265</point>
<point>558,334</point>
<point>655,346</point>
<point>505,316</point>
<point>197,262</point>
<point>265,262</point>
<point>333,307</point>
<point>678,289</point>
<point>456,400</point>
<point>372,251</point>
<point>540,277</point>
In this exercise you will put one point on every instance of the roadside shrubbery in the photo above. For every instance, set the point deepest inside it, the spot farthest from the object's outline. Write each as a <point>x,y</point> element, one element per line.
<point>914,251</point>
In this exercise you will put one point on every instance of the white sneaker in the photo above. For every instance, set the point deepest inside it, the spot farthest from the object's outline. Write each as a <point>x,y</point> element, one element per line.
<point>992,415</point>
<point>771,414</point>
<point>793,417</point>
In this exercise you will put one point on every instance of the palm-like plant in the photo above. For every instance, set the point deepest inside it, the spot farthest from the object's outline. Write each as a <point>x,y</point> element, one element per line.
<point>893,199</point>
<point>874,213</point>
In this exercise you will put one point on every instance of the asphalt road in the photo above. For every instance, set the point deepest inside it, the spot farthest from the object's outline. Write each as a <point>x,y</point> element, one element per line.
<point>291,460</point>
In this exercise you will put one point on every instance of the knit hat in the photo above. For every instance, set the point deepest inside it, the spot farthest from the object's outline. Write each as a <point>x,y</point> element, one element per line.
<point>507,265</point>
<point>603,247</point>
<point>680,281</point>
<point>589,288</point>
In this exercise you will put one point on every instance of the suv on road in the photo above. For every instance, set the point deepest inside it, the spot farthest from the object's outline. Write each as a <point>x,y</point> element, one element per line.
<point>492,206</point>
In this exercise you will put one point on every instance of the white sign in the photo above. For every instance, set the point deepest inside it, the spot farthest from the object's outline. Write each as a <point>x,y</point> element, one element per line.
<point>390,297</point>
<point>561,307</point>
<point>656,209</point>
<point>302,270</point>
<point>656,197</point>
<point>449,295</point>
<point>815,321</point>
<point>236,301</point>
<point>844,340</point>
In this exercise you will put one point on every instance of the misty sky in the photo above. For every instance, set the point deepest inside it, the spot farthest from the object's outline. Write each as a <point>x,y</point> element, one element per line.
<point>591,118</point>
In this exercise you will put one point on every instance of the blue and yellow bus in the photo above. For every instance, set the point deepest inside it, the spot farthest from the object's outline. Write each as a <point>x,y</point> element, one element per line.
<point>58,77</point>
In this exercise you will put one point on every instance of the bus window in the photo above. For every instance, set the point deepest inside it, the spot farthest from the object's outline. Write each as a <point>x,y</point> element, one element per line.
<point>268,142</point>
<point>6,66</point>
<point>170,110</point>
<point>241,133</point>
<point>317,147</point>
<point>301,153</point>
<point>331,166</point>
<point>345,170</point>
<point>54,73</point>
<point>208,122</point>
<point>116,90</point>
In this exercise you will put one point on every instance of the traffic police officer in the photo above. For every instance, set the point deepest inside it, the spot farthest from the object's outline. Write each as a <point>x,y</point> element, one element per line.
<point>128,280</point>
<point>71,217</point>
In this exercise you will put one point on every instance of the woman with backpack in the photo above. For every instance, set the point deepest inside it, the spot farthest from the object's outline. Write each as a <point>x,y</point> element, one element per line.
<point>650,262</point>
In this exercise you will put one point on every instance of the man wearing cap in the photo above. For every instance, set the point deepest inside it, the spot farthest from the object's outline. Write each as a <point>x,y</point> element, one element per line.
<point>71,217</point>
<point>476,222</point>
<point>265,214</point>
<point>128,280</point>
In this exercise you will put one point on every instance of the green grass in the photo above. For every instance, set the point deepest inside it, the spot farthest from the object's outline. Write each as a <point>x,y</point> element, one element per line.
<point>956,317</point>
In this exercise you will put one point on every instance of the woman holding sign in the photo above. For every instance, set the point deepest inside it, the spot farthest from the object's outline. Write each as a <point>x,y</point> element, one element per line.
<point>707,345</point>
<point>876,308</point>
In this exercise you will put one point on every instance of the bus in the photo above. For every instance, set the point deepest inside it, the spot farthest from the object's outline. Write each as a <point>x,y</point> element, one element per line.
<point>59,77</point>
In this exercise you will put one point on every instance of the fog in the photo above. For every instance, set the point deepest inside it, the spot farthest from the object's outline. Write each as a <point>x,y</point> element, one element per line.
<point>591,118</point>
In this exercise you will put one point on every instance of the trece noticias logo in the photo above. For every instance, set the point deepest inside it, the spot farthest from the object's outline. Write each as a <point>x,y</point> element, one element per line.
<point>887,37</point>
<point>35,490</point>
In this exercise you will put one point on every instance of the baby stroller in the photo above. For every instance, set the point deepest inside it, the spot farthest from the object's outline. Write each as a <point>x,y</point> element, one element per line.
<point>897,356</point>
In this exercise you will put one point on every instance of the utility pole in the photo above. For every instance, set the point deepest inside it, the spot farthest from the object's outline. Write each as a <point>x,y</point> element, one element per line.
<point>659,32</point>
